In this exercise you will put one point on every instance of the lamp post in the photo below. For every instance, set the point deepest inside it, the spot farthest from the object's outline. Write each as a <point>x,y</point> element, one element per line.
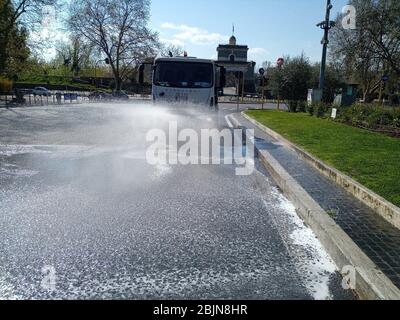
<point>262,74</point>
<point>280,62</point>
<point>325,25</point>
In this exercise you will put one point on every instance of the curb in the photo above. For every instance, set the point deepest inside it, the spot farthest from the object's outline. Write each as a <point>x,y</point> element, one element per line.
<point>381,206</point>
<point>371,283</point>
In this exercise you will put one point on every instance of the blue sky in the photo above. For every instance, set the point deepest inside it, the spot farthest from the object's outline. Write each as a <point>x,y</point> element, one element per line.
<point>271,28</point>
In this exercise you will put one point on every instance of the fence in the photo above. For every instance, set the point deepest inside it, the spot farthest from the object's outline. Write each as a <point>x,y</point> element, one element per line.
<point>29,99</point>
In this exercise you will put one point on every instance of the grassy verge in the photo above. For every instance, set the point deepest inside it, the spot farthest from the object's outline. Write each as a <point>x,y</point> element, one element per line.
<point>370,158</point>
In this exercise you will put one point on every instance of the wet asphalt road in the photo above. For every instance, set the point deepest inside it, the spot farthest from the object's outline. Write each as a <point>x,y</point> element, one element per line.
<point>78,196</point>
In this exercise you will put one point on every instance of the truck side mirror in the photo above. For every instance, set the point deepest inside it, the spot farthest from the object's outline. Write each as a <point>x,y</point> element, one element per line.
<point>141,74</point>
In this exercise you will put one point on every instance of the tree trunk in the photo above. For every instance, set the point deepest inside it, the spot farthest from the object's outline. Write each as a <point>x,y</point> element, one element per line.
<point>118,84</point>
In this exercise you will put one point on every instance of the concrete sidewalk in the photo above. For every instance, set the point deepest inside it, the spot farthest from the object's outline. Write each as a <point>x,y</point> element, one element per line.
<point>376,237</point>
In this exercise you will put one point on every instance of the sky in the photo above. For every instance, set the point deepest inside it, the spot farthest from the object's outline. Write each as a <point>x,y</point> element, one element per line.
<point>271,28</point>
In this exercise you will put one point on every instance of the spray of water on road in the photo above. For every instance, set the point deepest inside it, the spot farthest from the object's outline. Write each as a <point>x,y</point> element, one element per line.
<point>77,193</point>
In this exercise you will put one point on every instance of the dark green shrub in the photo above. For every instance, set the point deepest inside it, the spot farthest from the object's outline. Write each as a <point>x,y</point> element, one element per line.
<point>370,116</point>
<point>394,99</point>
<point>310,109</point>
<point>320,109</point>
<point>396,118</point>
<point>293,106</point>
<point>302,106</point>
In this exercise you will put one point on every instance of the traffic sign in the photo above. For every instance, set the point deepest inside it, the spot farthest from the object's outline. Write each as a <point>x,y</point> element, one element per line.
<point>261,71</point>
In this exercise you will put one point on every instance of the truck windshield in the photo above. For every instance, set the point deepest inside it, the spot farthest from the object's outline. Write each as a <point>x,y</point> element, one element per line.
<point>184,75</point>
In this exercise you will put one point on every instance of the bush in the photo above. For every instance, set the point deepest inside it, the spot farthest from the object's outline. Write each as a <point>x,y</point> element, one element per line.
<point>370,116</point>
<point>320,109</point>
<point>394,99</point>
<point>310,109</point>
<point>5,85</point>
<point>302,106</point>
<point>293,106</point>
<point>396,118</point>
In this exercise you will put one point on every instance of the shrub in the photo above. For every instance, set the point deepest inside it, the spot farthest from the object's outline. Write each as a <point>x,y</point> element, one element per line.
<point>302,106</point>
<point>394,99</point>
<point>293,106</point>
<point>396,118</point>
<point>5,85</point>
<point>320,109</point>
<point>310,109</point>
<point>370,116</point>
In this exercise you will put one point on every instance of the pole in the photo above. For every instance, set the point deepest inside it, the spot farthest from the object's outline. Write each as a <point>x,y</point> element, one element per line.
<point>238,95</point>
<point>279,87</point>
<point>325,41</point>
<point>263,92</point>
<point>279,101</point>
<point>243,87</point>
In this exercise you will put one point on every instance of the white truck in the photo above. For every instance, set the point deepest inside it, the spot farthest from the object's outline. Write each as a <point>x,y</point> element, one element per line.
<point>186,80</point>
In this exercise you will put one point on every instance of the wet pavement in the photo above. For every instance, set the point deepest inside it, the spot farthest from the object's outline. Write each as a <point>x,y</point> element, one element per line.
<point>84,216</point>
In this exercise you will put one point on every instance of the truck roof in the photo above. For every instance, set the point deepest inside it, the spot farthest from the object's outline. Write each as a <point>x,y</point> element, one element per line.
<point>184,59</point>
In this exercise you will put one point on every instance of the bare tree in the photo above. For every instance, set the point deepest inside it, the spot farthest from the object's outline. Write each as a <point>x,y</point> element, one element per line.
<point>118,28</point>
<point>381,23</point>
<point>373,48</point>
<point>19,17</point>
<point>29,12</point>
<point>74,54</point>
<point>171,50</point>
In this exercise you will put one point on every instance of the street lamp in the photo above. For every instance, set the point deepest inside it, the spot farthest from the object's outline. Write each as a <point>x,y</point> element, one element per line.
<point>325,25</point>
<point>280,62</point>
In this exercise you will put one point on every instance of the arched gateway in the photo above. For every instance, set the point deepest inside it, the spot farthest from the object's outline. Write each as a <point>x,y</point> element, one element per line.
<point>234,58</point>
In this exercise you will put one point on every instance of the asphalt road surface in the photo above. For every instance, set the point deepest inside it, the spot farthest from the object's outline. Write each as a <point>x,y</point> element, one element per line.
<point>83,215</point>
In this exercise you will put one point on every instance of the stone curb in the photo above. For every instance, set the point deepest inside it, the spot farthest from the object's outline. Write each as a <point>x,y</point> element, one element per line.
<point>381,206</point>
<point>371,283</point>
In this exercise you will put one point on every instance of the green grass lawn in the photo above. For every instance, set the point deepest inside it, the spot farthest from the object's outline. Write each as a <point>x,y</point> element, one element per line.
<point>370,158</point>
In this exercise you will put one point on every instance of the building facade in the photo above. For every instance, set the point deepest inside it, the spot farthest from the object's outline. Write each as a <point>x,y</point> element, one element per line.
<point>234,58</point>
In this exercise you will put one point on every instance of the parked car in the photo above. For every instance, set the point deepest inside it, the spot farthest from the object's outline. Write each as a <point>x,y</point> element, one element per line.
<point>41,91</point>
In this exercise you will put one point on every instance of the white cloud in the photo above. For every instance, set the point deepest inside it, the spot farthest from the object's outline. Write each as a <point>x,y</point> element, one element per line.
<point>257,54</point>
<point>256,51</point>
<point>194,35</point>
<point>168,25</point>
<point>174,42</point>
